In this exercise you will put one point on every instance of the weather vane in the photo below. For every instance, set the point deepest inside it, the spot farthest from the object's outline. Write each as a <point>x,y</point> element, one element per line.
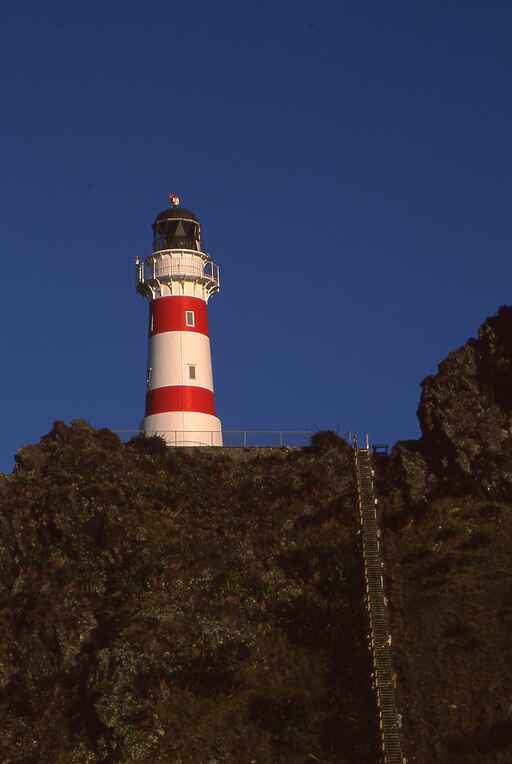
<point>174,199</point>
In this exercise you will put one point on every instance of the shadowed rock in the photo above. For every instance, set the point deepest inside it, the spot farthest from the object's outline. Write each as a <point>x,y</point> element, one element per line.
<point>465,414</point>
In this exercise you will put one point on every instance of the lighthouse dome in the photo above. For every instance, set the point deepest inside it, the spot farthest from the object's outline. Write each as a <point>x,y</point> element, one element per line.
<point>176,213</point>
<point>176,228</point>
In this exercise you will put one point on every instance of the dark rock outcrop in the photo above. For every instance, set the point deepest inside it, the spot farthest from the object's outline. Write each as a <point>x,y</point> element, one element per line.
<point>465,414</point>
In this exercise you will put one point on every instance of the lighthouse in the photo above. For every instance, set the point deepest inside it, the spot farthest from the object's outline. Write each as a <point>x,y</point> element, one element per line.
<point>178,278</point>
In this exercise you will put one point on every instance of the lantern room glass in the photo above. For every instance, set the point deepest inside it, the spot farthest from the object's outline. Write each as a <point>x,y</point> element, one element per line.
<point>176,234</point>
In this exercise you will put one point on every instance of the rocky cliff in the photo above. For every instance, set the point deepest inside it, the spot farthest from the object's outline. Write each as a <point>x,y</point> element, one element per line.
<point>165,606</point>
<point>465,414</point>
<point>447,512</point>
<point>206,606</point>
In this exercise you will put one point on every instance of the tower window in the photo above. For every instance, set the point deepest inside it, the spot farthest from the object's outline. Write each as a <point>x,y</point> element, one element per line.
<point>190,318</point>
<point>191,372</point>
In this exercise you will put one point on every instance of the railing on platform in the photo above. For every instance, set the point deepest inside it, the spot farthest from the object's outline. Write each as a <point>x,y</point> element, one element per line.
<point>177,264</point>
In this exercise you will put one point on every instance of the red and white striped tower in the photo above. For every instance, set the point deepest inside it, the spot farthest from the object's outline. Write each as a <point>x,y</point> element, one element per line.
<point>178,279</point>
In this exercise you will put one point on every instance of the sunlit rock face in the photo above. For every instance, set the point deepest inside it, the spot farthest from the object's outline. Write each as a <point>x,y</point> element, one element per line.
<point>465,413</point>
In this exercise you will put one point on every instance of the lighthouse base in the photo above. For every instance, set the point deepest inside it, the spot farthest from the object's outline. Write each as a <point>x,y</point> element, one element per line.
<point>185,428</point>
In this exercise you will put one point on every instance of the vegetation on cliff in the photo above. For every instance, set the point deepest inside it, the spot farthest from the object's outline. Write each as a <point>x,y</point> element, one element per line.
<point>450,584</point>
<point>164,606</point>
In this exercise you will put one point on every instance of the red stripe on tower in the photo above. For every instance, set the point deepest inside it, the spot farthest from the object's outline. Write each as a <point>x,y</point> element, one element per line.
<point>178,314</point>
<point>180,398</point>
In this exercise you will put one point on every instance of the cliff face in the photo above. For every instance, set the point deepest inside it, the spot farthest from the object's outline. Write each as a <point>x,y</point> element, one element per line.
<point>447,508</point>
<point>200,607</point>
<point>161,606</point>
<point>449,575</point>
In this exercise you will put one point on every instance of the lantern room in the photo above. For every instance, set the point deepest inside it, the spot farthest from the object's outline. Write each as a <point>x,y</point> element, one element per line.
<point>176,228</point>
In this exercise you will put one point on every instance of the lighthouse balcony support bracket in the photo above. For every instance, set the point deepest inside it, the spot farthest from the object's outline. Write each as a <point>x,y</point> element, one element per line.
<point>168,267</point>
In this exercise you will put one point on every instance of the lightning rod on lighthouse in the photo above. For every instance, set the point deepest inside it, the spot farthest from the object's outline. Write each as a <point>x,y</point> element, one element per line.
<point>178,279</point>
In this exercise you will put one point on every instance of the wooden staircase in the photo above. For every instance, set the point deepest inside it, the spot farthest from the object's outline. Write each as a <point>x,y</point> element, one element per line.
<point>379,636</point>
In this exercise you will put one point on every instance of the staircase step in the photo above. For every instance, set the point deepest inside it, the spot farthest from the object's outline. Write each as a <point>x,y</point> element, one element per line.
<point>378,613</point>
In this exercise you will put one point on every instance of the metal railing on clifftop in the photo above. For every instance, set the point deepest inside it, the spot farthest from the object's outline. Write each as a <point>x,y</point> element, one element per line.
<point>235,438</point>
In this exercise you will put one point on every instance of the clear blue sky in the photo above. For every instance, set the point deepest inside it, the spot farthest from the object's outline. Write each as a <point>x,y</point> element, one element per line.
<point>350,163</point>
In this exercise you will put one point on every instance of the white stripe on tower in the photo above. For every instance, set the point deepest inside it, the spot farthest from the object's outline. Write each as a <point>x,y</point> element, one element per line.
<point>179,358</point>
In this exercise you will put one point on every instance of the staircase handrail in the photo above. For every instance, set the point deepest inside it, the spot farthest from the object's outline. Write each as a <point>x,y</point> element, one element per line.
<point>380,636</point>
